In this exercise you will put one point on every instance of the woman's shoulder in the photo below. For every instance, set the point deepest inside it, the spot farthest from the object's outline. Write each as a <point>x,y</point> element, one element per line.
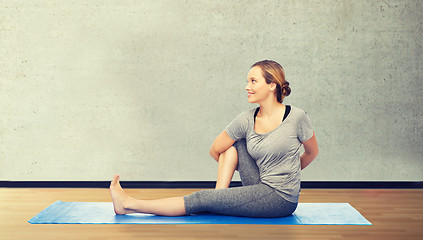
<point>244,118</point>
<point>299,112</point>
<point>296,109</point>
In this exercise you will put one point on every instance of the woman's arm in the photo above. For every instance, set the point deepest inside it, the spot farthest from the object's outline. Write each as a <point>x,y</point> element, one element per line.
<point>311,151</point>
<point>220,144</point>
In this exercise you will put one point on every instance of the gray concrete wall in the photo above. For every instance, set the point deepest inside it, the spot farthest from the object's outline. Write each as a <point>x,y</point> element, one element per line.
<point>142,88</point>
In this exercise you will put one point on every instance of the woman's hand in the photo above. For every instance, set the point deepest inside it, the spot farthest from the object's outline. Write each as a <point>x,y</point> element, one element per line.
<point>220,144</point>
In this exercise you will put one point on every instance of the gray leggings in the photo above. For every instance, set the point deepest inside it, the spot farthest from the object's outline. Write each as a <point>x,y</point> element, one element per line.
<point>253,199</point>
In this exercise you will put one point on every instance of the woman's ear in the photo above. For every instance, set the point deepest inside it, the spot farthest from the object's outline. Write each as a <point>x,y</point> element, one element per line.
<point>272,86</point>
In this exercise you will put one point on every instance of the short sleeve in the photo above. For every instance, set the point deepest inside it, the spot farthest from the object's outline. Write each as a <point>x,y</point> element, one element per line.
<point>305,129</point>
<point>237,129</point>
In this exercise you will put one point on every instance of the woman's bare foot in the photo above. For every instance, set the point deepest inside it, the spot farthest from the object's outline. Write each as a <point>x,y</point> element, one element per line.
<point>120,199</point>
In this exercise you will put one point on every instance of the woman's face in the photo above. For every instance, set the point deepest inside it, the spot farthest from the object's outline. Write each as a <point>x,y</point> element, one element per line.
<point>257,88</point>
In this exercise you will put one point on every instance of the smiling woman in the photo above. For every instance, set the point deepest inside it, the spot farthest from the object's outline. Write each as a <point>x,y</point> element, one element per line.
<point>263,144</point>
<point>269,72</point>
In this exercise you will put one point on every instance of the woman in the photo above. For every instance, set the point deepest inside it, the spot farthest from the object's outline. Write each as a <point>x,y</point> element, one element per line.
<point>263,144</point>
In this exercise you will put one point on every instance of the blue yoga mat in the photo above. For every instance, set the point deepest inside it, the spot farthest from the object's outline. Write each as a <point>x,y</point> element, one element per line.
<point>103,213</point>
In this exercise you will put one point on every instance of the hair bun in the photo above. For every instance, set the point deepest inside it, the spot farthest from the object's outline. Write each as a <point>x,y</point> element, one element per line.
<point>286,90</point>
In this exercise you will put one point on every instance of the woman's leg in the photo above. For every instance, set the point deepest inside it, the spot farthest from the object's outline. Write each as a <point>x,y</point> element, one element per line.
<point>124,204</point>
<point>237,158</point>
<point>248,170</point>
<point>228,162</point>
<point>247,166</point>
<point>252,201</point>
<point>257,200</point>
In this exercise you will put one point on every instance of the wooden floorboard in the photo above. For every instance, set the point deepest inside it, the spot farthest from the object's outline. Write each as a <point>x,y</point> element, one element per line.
<point>394,213</point>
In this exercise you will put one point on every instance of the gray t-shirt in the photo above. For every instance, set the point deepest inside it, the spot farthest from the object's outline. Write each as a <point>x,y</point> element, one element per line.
<point>277,153</point>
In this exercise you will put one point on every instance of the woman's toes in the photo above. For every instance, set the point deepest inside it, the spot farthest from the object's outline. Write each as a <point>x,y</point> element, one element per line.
<point>115,180</point>
<point>119,197</point>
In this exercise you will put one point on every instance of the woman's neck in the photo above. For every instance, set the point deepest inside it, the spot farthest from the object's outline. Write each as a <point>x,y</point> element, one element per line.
<point>270,108</point>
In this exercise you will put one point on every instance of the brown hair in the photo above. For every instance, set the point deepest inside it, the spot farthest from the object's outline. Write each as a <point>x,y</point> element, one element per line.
<point>274,73</point>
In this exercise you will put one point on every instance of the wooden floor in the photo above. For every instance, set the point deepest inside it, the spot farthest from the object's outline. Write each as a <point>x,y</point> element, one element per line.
<point>394,213</point>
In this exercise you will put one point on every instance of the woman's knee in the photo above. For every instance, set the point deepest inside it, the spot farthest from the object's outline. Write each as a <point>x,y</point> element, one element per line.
<point>231,154</point>
<point>232,151</point>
